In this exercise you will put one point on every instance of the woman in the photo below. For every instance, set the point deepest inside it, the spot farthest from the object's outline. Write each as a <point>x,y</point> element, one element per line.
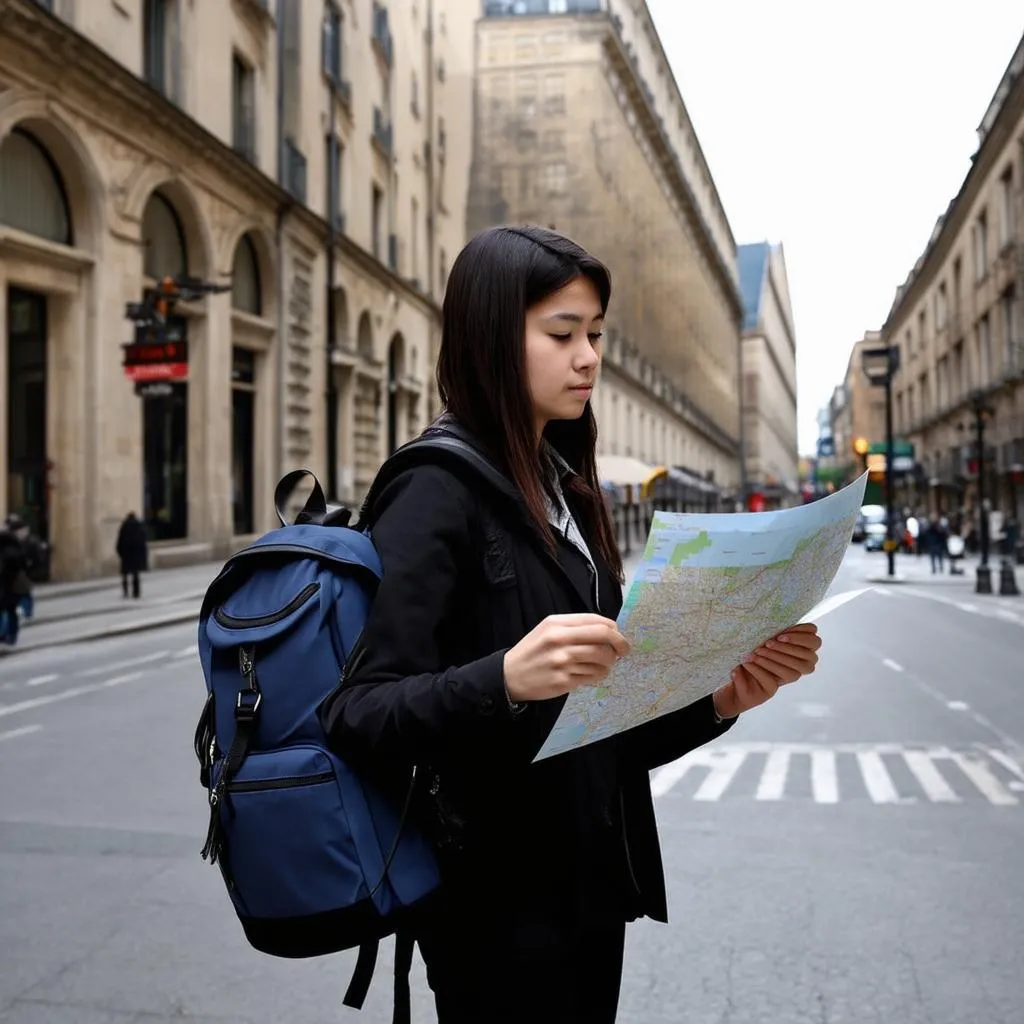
<point>494,605</point>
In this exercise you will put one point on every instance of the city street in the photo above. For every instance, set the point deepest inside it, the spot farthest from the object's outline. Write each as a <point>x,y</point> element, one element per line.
<point>849,853</point>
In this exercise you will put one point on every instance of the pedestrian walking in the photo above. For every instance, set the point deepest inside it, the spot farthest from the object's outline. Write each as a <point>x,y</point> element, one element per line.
<point>494,605</point>
<point>12,580</point>
<point>936,539</point>
<point>133,551</point>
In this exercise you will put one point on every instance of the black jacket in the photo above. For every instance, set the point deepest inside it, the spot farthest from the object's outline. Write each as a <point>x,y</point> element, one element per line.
<point>541,847</point>
<point>132,546</point>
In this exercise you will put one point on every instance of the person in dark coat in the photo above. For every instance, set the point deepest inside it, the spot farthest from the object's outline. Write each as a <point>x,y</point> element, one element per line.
<point>12,579</point>
<point>495,604</point>
<point>133,550</point>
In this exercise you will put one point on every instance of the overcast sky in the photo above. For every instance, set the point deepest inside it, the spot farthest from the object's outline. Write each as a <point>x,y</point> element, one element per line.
<point>843,137</point>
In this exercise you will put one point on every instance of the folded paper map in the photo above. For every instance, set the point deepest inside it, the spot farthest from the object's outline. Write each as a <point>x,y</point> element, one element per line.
<point>708,591</point>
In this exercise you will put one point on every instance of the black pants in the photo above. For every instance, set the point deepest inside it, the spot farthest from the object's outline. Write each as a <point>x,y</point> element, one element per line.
<point>514,983</point>
<point>135,583</point>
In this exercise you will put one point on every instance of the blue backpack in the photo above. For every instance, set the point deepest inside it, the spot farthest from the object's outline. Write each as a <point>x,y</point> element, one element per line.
<point>314,859</point>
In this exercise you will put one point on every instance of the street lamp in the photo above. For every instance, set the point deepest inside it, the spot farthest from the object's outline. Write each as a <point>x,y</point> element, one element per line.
<point>982,414</point>
<point>880,366</point>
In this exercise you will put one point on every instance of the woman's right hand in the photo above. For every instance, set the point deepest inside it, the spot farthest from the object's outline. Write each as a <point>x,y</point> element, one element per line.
<point>562,653</point>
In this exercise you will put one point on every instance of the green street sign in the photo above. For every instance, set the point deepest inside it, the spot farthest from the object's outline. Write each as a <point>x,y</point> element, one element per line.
<point>898,448</point>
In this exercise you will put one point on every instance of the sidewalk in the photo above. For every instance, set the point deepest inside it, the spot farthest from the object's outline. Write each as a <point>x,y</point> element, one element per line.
<point>917,569</point>
<point>89,609</point>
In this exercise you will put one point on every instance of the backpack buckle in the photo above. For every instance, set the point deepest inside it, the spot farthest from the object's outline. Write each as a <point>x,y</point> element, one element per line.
<point>247,706</point>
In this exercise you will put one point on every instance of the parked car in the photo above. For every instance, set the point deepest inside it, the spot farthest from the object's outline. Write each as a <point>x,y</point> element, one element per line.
<point>873,517</point>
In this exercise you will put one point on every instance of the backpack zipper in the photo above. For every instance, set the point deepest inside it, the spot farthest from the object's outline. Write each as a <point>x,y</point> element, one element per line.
<point>233,622</point>
<point>289,782</point>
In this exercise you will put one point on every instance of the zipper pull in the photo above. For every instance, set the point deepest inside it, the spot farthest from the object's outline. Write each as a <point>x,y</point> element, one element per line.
<point>245,662</point>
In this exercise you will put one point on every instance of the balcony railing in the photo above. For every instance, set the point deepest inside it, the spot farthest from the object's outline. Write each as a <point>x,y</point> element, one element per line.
<point>531,8</point>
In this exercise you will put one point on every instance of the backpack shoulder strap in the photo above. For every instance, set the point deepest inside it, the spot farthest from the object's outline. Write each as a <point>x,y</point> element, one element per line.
<point>435,449</point>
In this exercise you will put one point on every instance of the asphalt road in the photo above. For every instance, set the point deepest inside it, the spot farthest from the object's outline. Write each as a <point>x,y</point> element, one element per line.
<point>849,853</point>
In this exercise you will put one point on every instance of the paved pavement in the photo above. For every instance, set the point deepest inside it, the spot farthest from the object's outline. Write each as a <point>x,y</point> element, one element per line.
<point>87,609</point>
<point>848,853</point>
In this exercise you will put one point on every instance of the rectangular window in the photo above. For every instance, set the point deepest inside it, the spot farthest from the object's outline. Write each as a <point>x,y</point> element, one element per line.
<point>1006,218</point>
<point>243,438</point>
<point>333,200</point>
<point>941,307</point>
<point>414,239</point>
<point>1013,352</point>
<point>331,43</point>
<point>554,94</point>
<point>984,351</point>
<point>154,43</point>
<point>243,108</point>
<point>555,178</point>
<point>290,27</point>
<point>981,246</point>
<point>376,220</point>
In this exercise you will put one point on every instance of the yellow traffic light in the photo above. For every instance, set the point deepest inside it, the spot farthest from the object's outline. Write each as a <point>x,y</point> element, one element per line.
<point>860,446</point>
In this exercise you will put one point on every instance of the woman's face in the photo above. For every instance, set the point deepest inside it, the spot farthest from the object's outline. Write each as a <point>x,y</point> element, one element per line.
<point>563,351</point>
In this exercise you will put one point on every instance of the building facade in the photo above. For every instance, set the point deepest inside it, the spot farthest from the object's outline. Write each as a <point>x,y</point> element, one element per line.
<point>297,153</point>
<point>579,125</point>
<point>769,378</point>
<point>959,326</point>
<point>857,414</point>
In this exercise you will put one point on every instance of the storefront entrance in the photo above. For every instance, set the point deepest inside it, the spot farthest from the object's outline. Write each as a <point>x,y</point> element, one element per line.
<point>165,452</point>
<point>27,494</point>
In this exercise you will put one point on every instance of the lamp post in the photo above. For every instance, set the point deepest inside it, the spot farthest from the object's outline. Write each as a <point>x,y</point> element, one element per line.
<point>880,366</point>
<point>981,414</point>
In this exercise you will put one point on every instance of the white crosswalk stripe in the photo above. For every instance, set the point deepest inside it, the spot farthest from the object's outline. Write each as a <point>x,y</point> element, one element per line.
<point>884,773</point>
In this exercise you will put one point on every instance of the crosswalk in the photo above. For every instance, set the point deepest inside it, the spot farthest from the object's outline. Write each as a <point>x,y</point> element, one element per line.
<point>883,773</point>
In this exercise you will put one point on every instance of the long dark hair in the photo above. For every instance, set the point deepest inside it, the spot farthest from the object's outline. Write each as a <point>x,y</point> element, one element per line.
<point>481,376</point>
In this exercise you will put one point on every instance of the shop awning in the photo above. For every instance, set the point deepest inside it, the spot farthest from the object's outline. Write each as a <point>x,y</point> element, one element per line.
<point>625,471</point>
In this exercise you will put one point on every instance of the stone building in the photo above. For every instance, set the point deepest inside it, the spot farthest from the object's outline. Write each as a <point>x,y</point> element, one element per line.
<point>309,155</point>
<point>856,414</point>
<point>769,378</point>
<point>958,323</point>
<point>579,125</point>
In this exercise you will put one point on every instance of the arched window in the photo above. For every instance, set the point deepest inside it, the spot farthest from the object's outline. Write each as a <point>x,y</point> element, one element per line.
<point>32,196</point>
<point>245,279</point>
<point>164,239</point>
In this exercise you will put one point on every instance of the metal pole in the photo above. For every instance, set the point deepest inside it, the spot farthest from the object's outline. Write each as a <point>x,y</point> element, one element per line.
<point>332,389</point>
<point>979,425</point>
<point>889,458</point>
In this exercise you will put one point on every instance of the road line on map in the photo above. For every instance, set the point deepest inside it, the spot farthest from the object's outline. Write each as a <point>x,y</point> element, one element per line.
<point>25,730</point>
<point>144,659</point>
<point>77,691</point>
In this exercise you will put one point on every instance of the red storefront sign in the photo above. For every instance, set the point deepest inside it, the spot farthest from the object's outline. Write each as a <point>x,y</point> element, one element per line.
<point>148,361</point>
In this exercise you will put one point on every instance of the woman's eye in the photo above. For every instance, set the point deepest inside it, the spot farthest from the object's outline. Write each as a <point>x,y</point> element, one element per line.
<point>561,337</point>
<point>596,337</point>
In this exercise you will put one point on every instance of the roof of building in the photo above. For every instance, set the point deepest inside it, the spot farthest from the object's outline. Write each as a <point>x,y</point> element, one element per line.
<point>752,262</point>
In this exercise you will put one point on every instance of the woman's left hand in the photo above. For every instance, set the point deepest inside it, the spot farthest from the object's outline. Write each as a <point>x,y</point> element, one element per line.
<point>781,660</point>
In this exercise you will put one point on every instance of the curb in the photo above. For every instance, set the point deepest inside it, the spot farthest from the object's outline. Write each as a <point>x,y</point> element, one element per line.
<point>116,607</point>
<point>139,626</point>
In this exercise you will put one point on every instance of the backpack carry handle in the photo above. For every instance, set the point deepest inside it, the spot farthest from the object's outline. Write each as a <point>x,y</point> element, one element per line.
<point>315,508</point>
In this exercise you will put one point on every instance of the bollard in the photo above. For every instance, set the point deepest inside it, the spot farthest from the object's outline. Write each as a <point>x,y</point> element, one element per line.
<point>1007,580</point>
<point>983,582</point>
